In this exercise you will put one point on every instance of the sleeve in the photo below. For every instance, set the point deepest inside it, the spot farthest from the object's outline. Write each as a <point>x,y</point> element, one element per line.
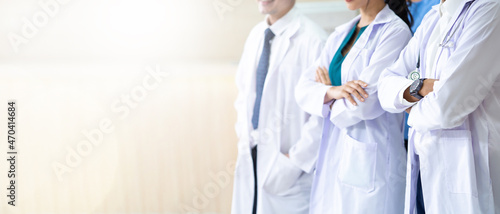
<point>393,80</point>
<point>343,113</point>
<point>240,103</point>
<point>304,152</point>
<point>471,72</point>
<point>309,94</point>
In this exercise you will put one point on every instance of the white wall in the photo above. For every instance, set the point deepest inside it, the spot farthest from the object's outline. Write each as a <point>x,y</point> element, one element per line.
<point>136,29</point>
<point>177,144</point>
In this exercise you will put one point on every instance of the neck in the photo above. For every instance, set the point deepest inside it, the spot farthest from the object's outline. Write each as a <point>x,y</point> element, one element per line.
<point>369,12</point>
<point>272,18</point>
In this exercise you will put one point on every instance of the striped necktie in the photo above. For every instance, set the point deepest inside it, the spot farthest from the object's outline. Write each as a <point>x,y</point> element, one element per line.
<point>261,75</point>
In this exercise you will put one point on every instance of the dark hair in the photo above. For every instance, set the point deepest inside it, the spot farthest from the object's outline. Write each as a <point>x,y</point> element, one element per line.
<point>400,7</point>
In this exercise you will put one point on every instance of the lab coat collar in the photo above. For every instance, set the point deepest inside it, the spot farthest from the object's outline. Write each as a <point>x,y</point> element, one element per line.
<point>382,17</point>
<point>282,24</point>
<point>386,15</point>
<point>454,9</point>
<point>449,7</point>
<point>285,28</point>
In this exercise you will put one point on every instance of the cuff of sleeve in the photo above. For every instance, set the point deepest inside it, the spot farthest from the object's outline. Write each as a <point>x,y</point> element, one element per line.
<point>304,166</point>
<point>401,99</point>
<point>326,108</point>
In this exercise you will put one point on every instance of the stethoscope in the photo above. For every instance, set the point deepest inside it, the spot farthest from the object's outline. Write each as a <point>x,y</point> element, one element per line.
<point>446,43</point>
<point>446,40</point>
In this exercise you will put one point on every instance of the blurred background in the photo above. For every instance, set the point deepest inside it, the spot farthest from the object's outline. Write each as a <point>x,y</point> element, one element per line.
<point>126,106</point>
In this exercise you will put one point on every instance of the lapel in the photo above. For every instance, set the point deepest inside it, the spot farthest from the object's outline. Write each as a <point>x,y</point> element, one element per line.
<point>284,45</point>
<point>422,51</point>
<point>456,15</point>
<point>384,16</point>
<point>449,30</point>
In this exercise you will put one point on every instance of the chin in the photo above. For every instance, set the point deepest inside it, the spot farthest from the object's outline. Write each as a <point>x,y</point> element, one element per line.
<point>264,10</point>
<point>351,6</point>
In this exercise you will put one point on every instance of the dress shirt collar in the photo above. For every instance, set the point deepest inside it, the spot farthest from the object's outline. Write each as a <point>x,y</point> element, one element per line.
<point>281,25</point>
<point>449,7</point>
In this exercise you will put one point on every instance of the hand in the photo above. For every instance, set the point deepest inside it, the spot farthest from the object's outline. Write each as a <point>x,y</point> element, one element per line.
<point>347,91</point>
<point>428,87</point>
<point>408,110</point>
<point>287,155</point>
<point>322,76</point>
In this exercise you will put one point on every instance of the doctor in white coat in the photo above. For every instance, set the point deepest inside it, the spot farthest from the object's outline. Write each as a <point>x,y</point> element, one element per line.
<point>285,140</point>
<point>361,164</point>
<point>454,104</point>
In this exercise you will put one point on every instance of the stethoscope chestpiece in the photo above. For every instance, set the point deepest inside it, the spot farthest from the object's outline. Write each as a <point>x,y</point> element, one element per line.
<point>448,44</point>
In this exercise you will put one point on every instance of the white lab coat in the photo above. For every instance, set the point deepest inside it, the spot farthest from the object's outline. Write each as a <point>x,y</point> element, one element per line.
<point>283,183</point>
<point>361,164</point>
<point>454,129</point>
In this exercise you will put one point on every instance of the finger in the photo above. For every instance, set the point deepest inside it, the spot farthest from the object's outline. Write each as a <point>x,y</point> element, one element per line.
<point>360,82</point>
<point>358,88</point>
<point>327,80</point>
<point>320,77</point>
<point>354,92</point>
<point>349,97</point>
<point>325,76</point>
<point>316,77</point>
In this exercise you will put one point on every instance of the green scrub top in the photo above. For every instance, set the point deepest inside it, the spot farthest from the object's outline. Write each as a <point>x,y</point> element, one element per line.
<point>338,58</point>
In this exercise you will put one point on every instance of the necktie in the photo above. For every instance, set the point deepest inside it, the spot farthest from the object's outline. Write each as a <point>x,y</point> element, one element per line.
<point>261,75</point>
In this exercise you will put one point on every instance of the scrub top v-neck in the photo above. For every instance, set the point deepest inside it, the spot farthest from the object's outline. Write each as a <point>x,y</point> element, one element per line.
<point>336,64</point>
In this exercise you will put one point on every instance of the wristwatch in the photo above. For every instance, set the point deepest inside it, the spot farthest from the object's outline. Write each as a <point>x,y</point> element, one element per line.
<point>415,88</point>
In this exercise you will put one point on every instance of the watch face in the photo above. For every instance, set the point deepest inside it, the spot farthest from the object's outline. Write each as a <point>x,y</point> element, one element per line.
<point>414,85</point>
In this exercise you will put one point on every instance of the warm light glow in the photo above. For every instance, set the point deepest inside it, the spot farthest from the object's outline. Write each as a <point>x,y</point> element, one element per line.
<point>129,22</point>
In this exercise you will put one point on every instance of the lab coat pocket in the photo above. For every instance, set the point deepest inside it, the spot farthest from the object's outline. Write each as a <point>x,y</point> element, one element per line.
<point>358,164</point>
<point>458,158</point>
<point>282,177</point>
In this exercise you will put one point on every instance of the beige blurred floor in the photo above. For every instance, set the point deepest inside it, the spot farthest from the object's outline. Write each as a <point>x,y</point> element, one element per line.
<point>171,154</point>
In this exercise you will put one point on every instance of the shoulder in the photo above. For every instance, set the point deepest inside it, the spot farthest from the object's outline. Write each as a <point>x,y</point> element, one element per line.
<point>486,2</point>
<point>395,23</point>
<point>310,28</point>
<point>387,24</point>
<point>306,37</point>
<point>309,31</point>
<point>255,34</point>
<point>342,29</point>
<point>432,15</point>
<point>258,30</point>
<point>491,6</point>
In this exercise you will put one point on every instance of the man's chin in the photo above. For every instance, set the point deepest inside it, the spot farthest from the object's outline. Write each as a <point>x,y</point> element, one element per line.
<point>263,11</point>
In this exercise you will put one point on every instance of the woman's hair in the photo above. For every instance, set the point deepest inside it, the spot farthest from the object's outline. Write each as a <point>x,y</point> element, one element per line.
<point>400,7</point>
